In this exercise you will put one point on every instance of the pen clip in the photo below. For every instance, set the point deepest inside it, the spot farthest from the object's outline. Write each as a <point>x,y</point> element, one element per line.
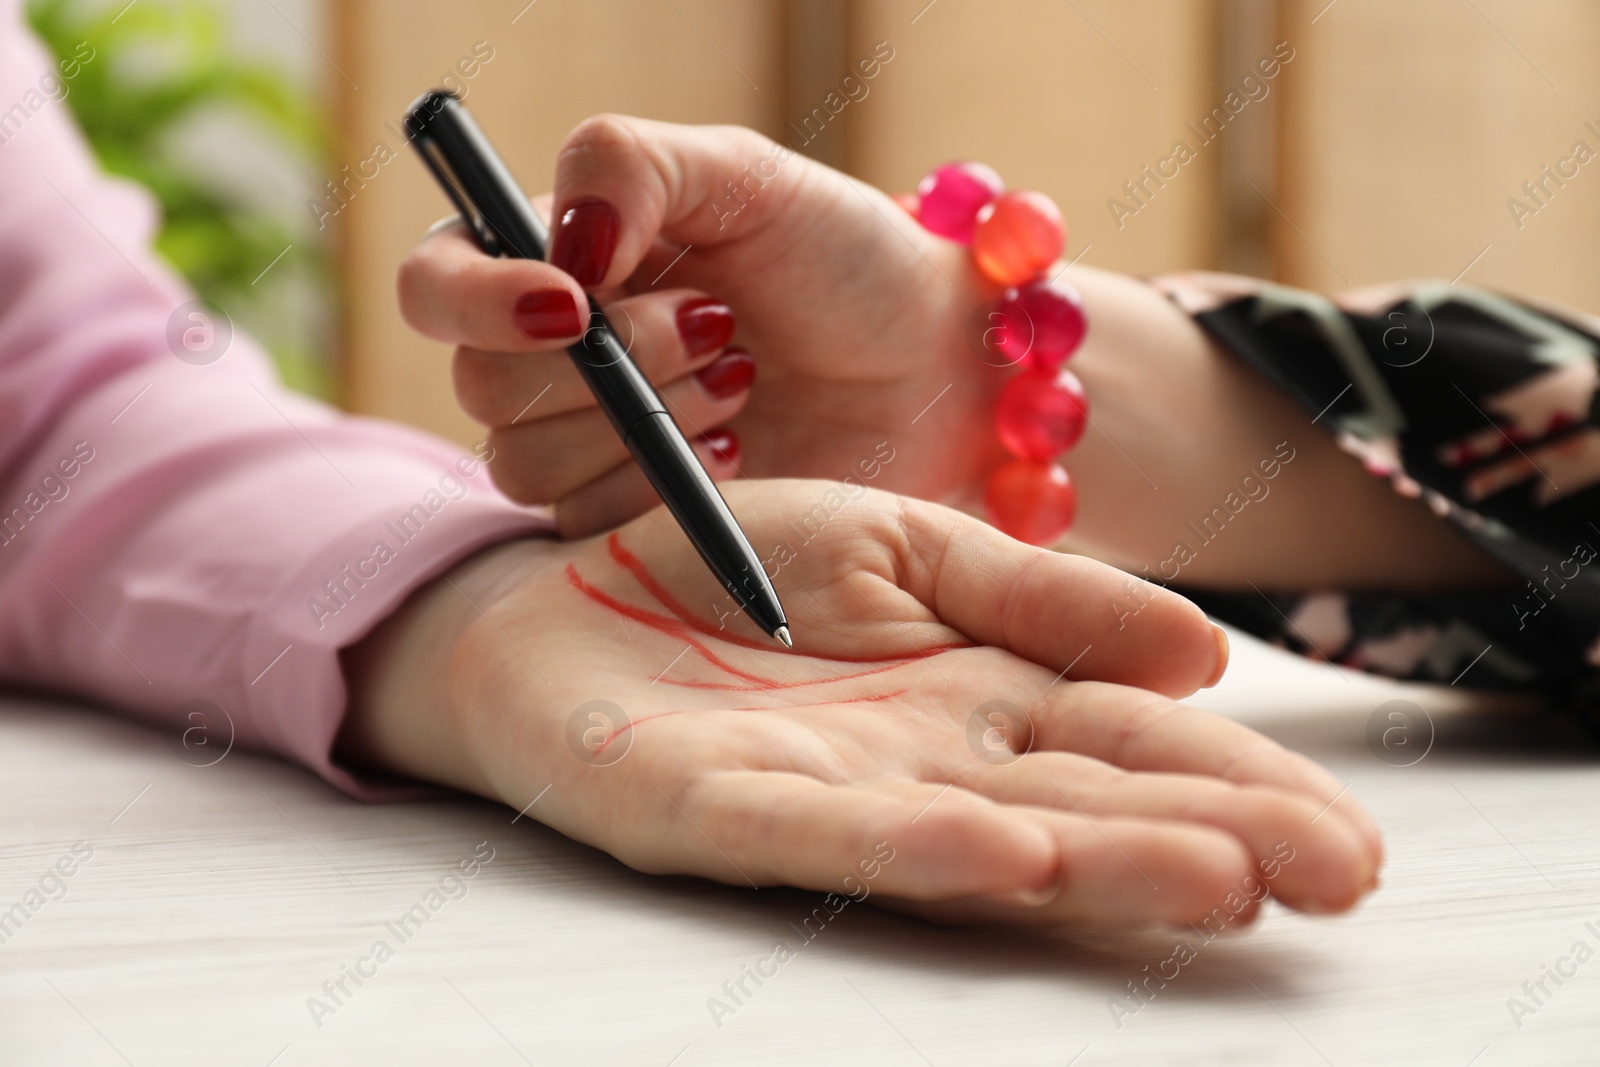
<point>474,177</point>
<point>439,164</point>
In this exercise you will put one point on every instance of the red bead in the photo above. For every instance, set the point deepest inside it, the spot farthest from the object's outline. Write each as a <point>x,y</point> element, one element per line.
<point>1043,323</point>
<point>951,197</point>
<point>1017,237</point>
<point>1041,414</point>
<point>1033,502</point>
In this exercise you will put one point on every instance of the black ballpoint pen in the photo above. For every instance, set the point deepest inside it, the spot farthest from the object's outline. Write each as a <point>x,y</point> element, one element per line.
<point>505,224</point>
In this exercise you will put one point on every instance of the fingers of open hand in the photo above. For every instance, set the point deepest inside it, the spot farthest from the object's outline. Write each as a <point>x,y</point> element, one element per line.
<point>940,843</point>
<point>767,827</point>
<point>1115,871</point>
<point>1140,732</point>
<point>1098,880</point>
<point>1319,864</point>
<point>1124,869</point>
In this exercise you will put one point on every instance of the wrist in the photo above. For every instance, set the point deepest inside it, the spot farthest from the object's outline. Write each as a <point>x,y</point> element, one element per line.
<point>406,714</point>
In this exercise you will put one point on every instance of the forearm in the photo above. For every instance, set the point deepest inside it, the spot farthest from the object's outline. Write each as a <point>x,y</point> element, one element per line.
<point>1177,422</point>
<point>187,530</point>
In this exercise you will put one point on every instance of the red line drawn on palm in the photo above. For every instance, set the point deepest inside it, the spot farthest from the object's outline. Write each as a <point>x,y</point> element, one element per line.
<point>684,625</point>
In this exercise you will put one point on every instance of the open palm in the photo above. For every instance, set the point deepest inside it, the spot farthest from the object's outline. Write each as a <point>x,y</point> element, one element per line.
<point>955,700</point>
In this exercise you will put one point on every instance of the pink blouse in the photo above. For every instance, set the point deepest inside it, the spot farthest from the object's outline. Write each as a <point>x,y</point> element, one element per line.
<point>175,526</point>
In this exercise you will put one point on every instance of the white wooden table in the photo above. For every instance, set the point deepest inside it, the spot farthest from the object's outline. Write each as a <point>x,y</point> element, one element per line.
<point>219,899</point>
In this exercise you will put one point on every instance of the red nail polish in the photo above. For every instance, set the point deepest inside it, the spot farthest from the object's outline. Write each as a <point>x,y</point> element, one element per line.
<point>724,444</point>
<point>547,313</point>
<point>585,238</point>
<point>729,375</point>
<point>704,324</point>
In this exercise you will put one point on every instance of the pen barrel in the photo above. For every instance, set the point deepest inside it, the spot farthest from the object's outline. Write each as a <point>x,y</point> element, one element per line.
<point>624,393</point>
<point>694,500</point>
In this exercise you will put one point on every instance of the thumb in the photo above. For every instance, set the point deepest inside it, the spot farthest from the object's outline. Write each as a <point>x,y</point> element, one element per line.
<point>1065,612</point>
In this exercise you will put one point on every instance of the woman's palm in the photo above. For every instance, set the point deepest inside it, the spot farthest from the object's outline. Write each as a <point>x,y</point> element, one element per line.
<point>930,707</point>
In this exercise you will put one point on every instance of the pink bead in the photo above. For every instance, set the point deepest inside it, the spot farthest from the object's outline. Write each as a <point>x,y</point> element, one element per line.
<point>952,196</point>
<point>1033,502</point>
<point>1041,414</point>
<point>1017,237</point>
<point>1043,323</point>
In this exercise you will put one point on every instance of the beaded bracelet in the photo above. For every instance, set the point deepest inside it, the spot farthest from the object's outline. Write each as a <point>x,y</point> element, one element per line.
<point>1015,238</point>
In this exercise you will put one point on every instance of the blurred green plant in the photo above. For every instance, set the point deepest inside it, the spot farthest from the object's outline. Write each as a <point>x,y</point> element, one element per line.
<point>158,67</point>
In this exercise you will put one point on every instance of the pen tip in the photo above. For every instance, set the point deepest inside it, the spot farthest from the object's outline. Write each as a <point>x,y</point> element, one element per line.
<point>782,634</point>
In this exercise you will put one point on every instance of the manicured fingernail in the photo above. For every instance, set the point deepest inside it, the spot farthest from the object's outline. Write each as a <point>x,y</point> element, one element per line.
<point>724,445</point>
<point>728,375</point>
<point>1222,656</point>
<point>704,324</point>
<point>547,313</point>
<point>585,238</point>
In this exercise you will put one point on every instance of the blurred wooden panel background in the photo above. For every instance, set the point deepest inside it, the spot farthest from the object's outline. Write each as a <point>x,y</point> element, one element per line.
<point>1408,127</point>
<point>1384,143</point>
<point>1070,98</point>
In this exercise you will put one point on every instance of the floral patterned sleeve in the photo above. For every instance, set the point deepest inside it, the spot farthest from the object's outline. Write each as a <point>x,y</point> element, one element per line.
<point>1486,409</point>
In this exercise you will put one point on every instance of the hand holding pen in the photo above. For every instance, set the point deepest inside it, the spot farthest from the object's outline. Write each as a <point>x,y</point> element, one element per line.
<point>859,368</point>
<point>504,224</point>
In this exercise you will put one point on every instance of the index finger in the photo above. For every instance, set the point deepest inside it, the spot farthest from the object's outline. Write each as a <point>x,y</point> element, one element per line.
<point>452,292</point>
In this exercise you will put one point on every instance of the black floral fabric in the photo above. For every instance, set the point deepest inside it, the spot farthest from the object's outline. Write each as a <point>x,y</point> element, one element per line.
<point>1486,409</point>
